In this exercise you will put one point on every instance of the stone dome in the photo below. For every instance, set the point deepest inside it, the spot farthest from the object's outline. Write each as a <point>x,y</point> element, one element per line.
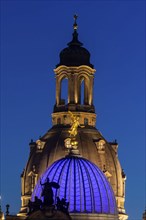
<point>53,149</point>
<point>82,184</point>
<point>75,54</point>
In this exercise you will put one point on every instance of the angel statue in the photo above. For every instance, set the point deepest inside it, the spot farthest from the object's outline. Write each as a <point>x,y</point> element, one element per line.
<point>47,191</point>
<point>75,124</point>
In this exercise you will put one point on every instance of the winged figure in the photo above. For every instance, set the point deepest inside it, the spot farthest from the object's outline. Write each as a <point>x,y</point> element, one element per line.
<point>75,124</point>
<point>47,192</point>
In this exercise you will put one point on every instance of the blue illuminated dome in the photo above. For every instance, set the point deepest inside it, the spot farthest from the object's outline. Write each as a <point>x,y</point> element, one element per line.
<point>83,185</point>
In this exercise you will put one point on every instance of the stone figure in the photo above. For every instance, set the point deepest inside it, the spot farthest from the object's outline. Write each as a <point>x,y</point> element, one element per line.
<point>47,192</point>
<point>62,205</point>
<point>34,206</point>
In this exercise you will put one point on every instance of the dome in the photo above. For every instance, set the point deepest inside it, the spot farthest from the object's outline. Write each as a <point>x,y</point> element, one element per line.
<point>75,54</point>
<point>82,184</point>
<point>53,149</point>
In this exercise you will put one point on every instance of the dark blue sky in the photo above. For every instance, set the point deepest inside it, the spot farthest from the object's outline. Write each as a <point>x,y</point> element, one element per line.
<point>32,35</point>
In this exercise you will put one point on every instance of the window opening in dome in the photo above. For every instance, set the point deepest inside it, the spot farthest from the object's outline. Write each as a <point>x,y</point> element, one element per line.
<point>64,91</point>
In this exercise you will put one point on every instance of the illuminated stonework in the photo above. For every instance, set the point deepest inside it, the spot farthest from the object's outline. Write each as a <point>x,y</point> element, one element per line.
<point>63,118</point>
<point>75,76</point>
<point>74,66</point>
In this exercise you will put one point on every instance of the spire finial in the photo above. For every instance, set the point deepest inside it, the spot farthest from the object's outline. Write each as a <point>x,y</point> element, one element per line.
<point>75,26</point>
<point>75,41</point>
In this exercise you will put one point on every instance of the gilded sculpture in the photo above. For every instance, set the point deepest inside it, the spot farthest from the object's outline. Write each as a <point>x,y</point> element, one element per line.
<point>75,124</point>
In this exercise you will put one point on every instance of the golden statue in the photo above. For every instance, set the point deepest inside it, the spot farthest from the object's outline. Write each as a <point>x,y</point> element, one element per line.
<point>75,124</point>
<point>71,142</point>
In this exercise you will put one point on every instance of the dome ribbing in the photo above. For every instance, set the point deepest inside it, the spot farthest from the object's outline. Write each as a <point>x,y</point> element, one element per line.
<point>82,184</point>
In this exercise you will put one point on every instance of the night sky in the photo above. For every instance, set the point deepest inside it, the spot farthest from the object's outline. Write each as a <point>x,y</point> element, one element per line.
<point>32,35</point>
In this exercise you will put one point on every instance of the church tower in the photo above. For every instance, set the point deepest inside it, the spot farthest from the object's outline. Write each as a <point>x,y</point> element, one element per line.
<point>76,69</point>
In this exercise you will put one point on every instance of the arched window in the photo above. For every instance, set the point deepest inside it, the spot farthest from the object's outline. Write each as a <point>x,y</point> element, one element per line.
<point>81,92</point>
<point>64,91</point>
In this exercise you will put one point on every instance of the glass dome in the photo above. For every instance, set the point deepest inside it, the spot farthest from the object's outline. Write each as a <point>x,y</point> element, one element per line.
<point>82,184</point>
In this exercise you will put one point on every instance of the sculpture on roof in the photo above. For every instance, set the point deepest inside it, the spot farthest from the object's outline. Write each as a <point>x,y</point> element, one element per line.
<point>47,192</point>
<point>34,206</point>
<point>75,124</point>
<point>62,205</point>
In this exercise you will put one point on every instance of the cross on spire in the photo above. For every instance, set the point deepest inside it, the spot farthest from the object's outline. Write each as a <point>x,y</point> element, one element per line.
<point>75,26</point>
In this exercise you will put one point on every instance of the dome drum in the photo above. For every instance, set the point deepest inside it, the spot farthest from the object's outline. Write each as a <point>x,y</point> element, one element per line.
<point>63,118</point>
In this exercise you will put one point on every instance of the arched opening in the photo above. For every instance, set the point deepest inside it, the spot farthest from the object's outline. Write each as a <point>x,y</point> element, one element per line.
<point>81,91</point>
<point>64,91</point>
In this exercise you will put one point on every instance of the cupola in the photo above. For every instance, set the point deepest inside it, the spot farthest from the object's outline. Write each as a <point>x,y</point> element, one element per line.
<point>77,72</point>
<point>75,54</point>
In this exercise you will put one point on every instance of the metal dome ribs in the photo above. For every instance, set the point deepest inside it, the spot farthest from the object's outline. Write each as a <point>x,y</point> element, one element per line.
<point>82,184</point>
